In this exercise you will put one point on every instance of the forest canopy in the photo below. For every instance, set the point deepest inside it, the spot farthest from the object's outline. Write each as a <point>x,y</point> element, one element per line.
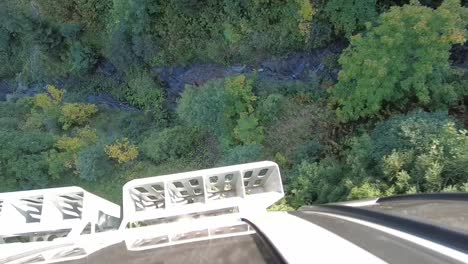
<point>353,99</point>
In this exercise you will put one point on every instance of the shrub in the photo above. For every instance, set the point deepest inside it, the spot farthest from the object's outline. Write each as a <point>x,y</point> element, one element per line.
<point>248,130</point>
<point>296,127</point>
<point>51,99</point>
<point>321,32</point>
<point>173,144</point>
<point>319,182</point>
<point>348,17</point>
<point>402,60</point>
<point>281,206</point>
<point>407,132</point>
<point>226,108</point>
<point>82,58</point>
<point>417,152</point>
<point>205,107</point>
<point>23,159</point>
<point>240,97</point>
<point>76,114</point>
<point>242,154</point>
<point>29,171</point>
<point>311,150</point>
<point>84,137</point>
<point>364,191</point>
<point>92,163</point>
<point>122,151</point>
<point>143,92</point>
<point>269,108</point>
<point>61,164</point>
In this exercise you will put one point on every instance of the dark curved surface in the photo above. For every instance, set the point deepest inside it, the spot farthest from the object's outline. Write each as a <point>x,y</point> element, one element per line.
<point>436,233</point>
<point>426,197</point>
<point>246,249</point>
<point>382,245</point>
<point>450,214</point>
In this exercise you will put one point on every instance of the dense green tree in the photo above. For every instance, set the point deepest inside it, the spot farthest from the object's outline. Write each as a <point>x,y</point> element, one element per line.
<point>143,92</point>
<point>92,163</point>
<point>206,107</point>
<point>242,154</point>
<point>350,16</point>
<point>224,107</point>
<point>174,143</point>
<point>23,159</point>
<point>159,32</point>
<point>16,29</point>
<point>402,60</point>
<point>318,182</point>
<point>417,152</point>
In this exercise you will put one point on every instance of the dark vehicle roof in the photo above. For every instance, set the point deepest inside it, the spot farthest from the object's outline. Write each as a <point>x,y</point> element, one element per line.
<point>442,210</point>
<point>383,245</point>
<point>439,218</point>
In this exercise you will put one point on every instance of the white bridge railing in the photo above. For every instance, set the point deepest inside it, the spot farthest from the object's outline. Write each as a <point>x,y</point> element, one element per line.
<point>197,205</point>
<point>157,211</point>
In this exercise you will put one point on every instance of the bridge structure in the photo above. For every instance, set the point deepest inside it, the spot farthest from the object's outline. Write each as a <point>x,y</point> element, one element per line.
<point>60,224</point>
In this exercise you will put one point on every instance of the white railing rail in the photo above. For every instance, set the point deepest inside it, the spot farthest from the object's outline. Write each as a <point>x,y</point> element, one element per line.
<point>47,214</point>
<point>69,223</point>
<point>213,201</point>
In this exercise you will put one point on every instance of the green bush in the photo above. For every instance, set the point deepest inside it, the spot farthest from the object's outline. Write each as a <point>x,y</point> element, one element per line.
<point>76,114</point>
<point>319,182</point>
<point>179,142</point>
<point>296,126</point>
<point>242,154</point>
<point>29,171</point>
<point>348,17</point>
<point>226,108</point>
<point>417,152</point>
<point>181,32</point>
<point>122,151</point>
<point>427,155</point>
<point>16,29</point>
<point>92,163</point>
<point>144,93</point>
<point>206,107</point>
<point>407,132</point>
<point>269,108</point>
<point>401,61</point>
<point>23,159</point>
<point>248,130</point>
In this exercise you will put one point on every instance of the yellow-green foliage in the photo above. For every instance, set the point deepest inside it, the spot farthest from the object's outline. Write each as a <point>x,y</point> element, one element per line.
<point>281,205</point>
<point>240,94</point>
<point>85,136</point>
<point>61,163</point>
<point>72,144</point>
<point>52,98</point>
<point>306,12</point>
<point>122,151</point>
<point>240,106</point>
<point>76,114</point>
<point>88,135</point>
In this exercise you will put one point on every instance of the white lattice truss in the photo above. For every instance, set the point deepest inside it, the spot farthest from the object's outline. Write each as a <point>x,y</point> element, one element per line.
<point>197,205</point>
<point>69,223</point>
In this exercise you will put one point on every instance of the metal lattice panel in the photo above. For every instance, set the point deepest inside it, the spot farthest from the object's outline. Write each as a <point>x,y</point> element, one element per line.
<point>48,214</point>
<point>204,199</point>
